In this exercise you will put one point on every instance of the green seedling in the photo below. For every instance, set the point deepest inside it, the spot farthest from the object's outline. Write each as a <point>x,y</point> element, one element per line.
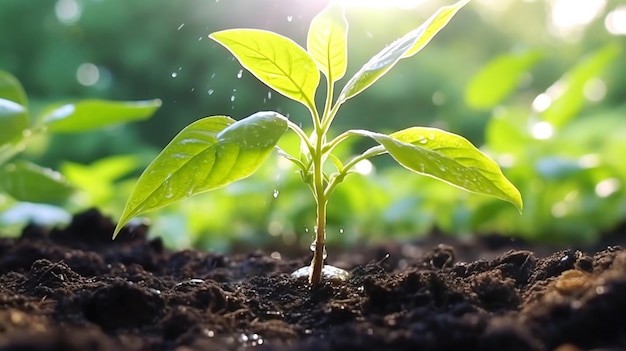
<point>215,151</point>
<point>25,181</point>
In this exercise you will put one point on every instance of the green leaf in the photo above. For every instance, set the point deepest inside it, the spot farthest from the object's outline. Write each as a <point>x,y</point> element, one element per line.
<point>13,119</point>
<point>568,93</point>
<point>208,154</point>
<point>496,80</point>
<point>93,114</point>
<point>447,157</point>
<point>327,42</point>
<point>11,89</point>
<point>410,44</point>
<point>97,180</point>
<point>275,60</point>
<point>29,182</point>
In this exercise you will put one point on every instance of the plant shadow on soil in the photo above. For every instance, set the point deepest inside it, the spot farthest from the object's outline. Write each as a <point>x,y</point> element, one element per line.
<point>75,289</point>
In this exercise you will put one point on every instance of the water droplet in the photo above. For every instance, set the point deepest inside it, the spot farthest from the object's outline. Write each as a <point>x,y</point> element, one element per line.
<point>306,230</point>
<point>174,74</point>
<point>181,26</point>
<point>289,18</point>
<point>313,246</point>
<point>212,76</point>
<point>276,193</point>
<point>232,98</point>
<point>269,95</point>
<point>211,91</point>
<point>423,140</point>
<point>340,230</point>
<point>240,74</point>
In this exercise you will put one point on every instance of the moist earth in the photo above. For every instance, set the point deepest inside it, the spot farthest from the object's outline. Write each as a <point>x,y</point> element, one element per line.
<point>75,289</point>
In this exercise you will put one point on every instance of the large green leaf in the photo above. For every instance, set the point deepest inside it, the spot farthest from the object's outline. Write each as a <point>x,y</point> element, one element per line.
<point>93,114</point>
<point>275,60</point>
<point>208,154</point>
<point>447,157</point>
<point>494,82</point>
<point>11,89</point>
<point>568,93</point>
<point>327,42</point>
<point>29,182</point>
<point>13,120</point>
<point>410,44</point>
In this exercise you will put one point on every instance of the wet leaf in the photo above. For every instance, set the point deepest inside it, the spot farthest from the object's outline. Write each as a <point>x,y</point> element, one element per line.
<point>208,154</point>
<point>447,157</point>
<point>25,181</point>
<point>93,114</point>
<point>275,60</point>
<point>11,89</point>
<point>410,44</point>
<point>327,42</point>
<point>13,119</point>
<point>494,82</point>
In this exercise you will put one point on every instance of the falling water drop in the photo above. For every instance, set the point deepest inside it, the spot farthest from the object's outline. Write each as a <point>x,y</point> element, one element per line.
<point>181,26</point>
<point>275,193</point>
<point>232,98</point>
<point>289,18</point>
<point>340,230</point>
<point>240,74</point>
<point>269,95</point>
<point>211,91</point>
<point>174,74</point>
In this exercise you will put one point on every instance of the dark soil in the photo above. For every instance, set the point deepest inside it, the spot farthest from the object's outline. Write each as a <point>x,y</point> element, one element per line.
<point>75,289</point>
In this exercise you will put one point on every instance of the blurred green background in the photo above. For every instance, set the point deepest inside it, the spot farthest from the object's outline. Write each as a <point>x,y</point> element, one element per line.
<point>539,84</point>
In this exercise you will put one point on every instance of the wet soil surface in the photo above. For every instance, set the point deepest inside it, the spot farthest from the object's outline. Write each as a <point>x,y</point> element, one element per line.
<point>75,289</point>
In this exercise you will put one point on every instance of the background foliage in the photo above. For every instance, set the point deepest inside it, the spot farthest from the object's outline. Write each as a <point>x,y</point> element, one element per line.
<point>540,84</point>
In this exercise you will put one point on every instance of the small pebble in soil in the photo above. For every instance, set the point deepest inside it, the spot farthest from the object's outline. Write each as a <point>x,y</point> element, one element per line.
<point>328,272</point>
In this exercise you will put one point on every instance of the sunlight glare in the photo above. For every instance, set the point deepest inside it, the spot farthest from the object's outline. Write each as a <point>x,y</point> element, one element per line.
<point>615,21</point>
<point>406,4</point>
<point>569,16</point>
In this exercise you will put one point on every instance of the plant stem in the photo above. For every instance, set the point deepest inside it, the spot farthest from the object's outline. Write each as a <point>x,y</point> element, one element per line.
<point>320,237</point>
<point>321,200</point>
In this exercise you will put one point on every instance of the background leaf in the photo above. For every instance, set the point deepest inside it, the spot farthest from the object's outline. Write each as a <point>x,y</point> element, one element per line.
<point>275,60</point>
<point>11,89</point>
<point>327,42</point>
<point>495,81</point>
<point>93,114</point>
<point>410,44</point>
<point>26,181</point>
<point>568,93</point>
<point>13,120</point>
<point>447,157</point>
<point>208,154</point>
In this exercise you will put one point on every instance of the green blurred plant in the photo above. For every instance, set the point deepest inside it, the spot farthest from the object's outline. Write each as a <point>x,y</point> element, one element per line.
<point>215,151</point>
<point>566,159</point>
<point>28,182</point>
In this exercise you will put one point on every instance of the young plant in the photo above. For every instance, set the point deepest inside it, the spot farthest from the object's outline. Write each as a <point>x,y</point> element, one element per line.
<point>215,151</point>
<point>26,181</point>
